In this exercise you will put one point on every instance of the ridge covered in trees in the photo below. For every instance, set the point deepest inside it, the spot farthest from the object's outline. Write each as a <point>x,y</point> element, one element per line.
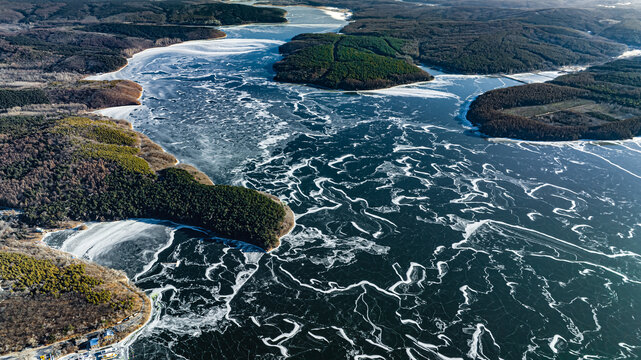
<point>600,103</point>
<point>58,169</point>
<point>477,37</point>
<point>489,41</point>
<point>78,37</point>
<point>154,32</point>
<point>347,62</point>
<point>47,12</point>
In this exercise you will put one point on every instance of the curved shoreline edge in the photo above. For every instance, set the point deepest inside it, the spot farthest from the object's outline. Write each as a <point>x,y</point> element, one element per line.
<point>288,221</point>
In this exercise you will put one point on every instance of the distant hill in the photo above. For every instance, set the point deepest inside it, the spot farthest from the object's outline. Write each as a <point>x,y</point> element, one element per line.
<point>601,103</point>
<point>489,37</point>
<point>178,12</point>
<point>80,37</point>
<point>347,62</point>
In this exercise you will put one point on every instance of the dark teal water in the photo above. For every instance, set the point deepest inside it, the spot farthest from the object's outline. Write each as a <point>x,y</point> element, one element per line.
<point>416,238</point>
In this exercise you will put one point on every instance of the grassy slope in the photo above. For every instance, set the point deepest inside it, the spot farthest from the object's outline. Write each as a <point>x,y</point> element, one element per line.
<point>47,287</point>
<point>83,94</point>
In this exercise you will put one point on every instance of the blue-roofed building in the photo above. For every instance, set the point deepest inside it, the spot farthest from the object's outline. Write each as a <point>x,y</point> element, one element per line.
<point>93,342</point>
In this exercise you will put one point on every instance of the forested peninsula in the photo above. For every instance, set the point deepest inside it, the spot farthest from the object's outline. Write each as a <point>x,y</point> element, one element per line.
<point>346,62</point>
<point>600,103</point>
<point>61,165</point>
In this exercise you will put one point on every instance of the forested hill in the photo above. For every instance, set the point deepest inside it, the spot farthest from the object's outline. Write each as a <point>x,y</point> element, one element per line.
<point>57,169</point>
<point>534,4</point>
<point>69,37</point>
<point>487,41</point>
<point>56,12</point>
<point>601,103</point>
<point>491,37</point>
<point>347,62</point>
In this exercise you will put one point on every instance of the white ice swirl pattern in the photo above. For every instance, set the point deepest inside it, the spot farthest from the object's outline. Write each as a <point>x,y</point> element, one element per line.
<point>416,238</point>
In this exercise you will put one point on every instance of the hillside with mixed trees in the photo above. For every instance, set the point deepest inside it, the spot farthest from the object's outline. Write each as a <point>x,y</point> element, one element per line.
<point>56,12</point>
<point>69,96</point>
<point>488,41</point>
<point>58,39</point>
<point>600,103</point>
<point>492,37</point>
<point>347,62</point>
<point>76,168</point>
<point>47,289</point>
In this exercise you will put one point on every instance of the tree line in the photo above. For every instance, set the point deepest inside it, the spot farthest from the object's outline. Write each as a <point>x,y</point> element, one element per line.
<point>80,169</point>
<point>612,83</point>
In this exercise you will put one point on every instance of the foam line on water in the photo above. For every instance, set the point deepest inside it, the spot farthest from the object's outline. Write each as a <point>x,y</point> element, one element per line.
<point>623,276</point>
<point>318,337</point>
<point>382,346</point>
<point>476,345</point>
<point>169,242</point>
<point>408,276</point>
<point>531,192</point>
<point>473,227</point>
<point>379,218</point>
<point>556,339</point>
<point>217,265</point>
<point>357,357</point>
<point>335,288</point>
<point>278,341</point>
<point>430,348</point>
<point>610,162</point>
<point>412,91</point>
<point>343,334</point>
<point>241,278</point>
